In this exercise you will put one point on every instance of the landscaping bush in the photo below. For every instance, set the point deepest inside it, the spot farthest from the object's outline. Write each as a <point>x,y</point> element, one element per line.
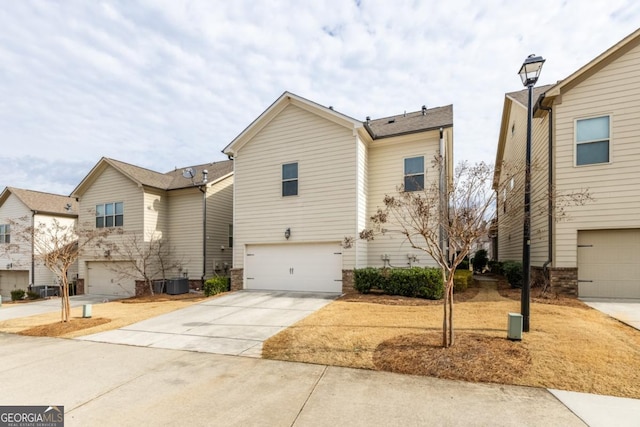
<point>513,272</point>
<point>33,295</point>
<point>215,285</point>
<point>365,279</point>
<point>462,279</point>
<point>411,282</point>
<point>496,267</point>
<point>480,260</point>
<point>464,264</point>
<point>415,282</point>
<point>17,294</point>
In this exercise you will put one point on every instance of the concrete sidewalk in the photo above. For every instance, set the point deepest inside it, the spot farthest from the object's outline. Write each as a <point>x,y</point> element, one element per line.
<point>116,385</point>
<point>15,311</point>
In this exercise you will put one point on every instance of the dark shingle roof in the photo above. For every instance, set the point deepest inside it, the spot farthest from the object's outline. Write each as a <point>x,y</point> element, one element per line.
<point>216,170</point>
<point>433,118</point>
<point>172,180</point>
<point>522,96</point>
<point>46,202</point>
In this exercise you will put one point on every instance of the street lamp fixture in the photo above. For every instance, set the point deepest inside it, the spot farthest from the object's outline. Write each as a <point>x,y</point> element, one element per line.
<point>529,73</point>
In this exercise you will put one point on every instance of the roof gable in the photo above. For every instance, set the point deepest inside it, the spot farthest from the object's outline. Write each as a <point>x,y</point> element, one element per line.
<point>147,178</point>
<point>286,99</point>
<point>44,203</point>
<point>597,64</point>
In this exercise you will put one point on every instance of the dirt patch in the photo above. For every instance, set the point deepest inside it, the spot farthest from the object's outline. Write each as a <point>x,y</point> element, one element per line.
<point>59,329</point>
<point>468,359</point>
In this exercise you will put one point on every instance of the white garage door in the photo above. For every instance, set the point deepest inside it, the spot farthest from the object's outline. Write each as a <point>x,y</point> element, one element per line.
<point>609,263</point>
<point>11,280</point>
<point>106,278</point>
<point>311,267</point>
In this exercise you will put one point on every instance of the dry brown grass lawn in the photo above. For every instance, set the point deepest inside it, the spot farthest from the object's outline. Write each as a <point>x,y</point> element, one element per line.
<point>570,346</point>
<point>107,316</point>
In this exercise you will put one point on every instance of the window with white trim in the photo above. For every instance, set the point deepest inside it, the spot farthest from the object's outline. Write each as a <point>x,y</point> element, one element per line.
<point>290,179</point>
<point>414,174</point>
<point>110,215</point>
<point>5,233</point>
<point>592,140</point>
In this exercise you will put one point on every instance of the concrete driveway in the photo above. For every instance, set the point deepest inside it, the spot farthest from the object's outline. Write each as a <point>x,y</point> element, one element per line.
<point>234,324</point>
<point>626,311</point>
<point>15,311</point>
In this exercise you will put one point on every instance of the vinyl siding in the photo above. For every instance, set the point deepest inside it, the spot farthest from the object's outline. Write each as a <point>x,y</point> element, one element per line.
<point>155,213</point>
<point>185,229</point>
<point>219,217</point>
<point>110,186</point>
<point>326,205</point>
<point>14,209</point>
<point>361,246</point>
<point>615,187</point>
<point>44,276</point>
<point>386,161</point>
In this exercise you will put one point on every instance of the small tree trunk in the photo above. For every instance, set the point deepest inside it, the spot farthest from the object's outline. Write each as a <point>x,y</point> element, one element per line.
<point>450,296</point>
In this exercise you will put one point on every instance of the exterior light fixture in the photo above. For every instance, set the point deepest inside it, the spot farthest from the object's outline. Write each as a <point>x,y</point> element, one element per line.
<point>287,233</point>
<point>529,73</point>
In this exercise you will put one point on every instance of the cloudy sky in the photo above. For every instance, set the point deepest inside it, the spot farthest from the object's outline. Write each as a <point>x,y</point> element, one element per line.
<point>168,83</point>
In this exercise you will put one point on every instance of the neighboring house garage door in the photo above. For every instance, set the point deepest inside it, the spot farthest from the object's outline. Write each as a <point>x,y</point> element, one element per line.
<point>608,265</point>
<point>311,267</point>
<point>13,279</point>
<point>104,278</point>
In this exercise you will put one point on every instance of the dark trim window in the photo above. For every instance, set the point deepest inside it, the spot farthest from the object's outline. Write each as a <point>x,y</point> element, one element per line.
<point>5,236</point>
<point>414,174</point>
<point>110,215</point>
<point>592,140</point>
<point>290,179</point>
<point>230,235</point>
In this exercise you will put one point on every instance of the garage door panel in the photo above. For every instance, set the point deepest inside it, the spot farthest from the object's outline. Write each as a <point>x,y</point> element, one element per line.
<point>106,278</point>
<point>312,267</point>
<point>608,265</point>
<point>11,280</point>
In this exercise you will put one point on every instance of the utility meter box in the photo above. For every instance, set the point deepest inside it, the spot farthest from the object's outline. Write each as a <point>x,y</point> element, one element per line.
<point>514,332</point>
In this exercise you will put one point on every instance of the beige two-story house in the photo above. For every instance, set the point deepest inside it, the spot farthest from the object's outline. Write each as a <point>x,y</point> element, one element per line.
<point>585,143</point>
<point>23,209</point>
<point>307,176</point>
<point>189,209</point>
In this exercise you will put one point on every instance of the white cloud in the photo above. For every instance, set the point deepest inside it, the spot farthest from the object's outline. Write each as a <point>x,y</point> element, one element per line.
<point>170,83</point>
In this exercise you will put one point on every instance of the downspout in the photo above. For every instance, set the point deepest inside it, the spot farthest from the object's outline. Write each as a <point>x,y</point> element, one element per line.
<point>203,188</point>
<point>549,186</point>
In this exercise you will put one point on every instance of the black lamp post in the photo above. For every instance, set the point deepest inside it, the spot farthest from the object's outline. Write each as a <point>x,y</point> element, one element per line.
<point>529,73</point>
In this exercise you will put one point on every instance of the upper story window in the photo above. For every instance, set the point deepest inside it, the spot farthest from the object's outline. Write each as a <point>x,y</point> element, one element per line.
<point>290,179</point>
<point>592,140</point>
<point>5,236</point>
<point>110,215</point>
<point>414,174</point>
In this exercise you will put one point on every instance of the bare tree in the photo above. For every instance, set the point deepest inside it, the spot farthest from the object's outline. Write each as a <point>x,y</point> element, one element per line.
<point>57,246</point>
<point>152,258</point>
<point>443,222</point>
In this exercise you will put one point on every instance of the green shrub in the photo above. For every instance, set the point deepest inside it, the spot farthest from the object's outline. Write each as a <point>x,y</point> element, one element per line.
<point>410,282</point>
<point>17,294</point>
<point>462,279</point>
<point>33,295</point>
<point>365,279</point>
<point>215,285</point>
<point>464,264</point>
<point>415,282</point>
<point>496,267</point>
<point>513,273</point>
<point>480,260</point>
